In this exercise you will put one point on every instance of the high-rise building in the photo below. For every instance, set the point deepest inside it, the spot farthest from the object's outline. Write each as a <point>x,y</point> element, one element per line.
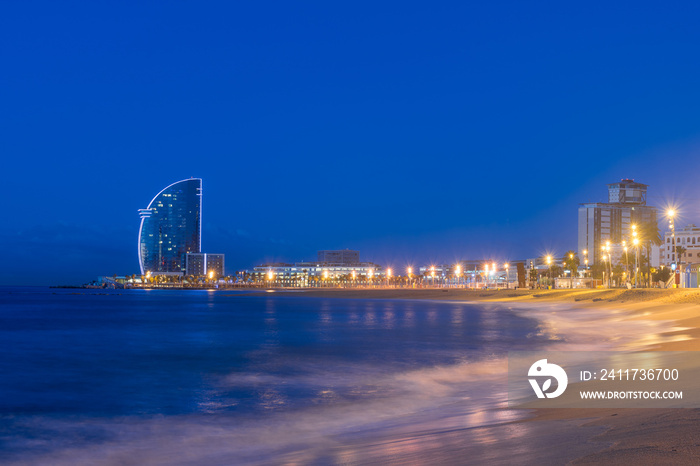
<point>202,264</point>
<point>599,223</point>
<point>171,227</point>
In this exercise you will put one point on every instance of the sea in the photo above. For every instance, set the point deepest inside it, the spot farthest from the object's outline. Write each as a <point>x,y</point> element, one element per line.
<point>234,377</point>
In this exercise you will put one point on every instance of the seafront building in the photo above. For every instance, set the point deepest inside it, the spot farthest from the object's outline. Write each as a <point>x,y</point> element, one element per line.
<point>689,239</point>
<point>171,227</point>
<point>475,274</point>
<point>203,264</point>
<point>341,267</point>
<point>602,223</point>
<point>171,232</point>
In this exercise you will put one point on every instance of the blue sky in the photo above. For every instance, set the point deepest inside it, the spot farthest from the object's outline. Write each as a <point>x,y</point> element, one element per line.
<point>412,131</point>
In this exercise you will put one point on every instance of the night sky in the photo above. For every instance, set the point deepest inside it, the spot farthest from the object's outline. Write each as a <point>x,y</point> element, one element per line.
<point>414,132</point>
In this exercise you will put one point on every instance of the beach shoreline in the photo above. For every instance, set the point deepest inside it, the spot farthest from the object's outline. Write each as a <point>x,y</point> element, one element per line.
<point>641,435</point>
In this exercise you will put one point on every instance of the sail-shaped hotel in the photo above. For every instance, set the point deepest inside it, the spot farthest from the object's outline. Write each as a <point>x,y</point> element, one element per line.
<point>171,227</point>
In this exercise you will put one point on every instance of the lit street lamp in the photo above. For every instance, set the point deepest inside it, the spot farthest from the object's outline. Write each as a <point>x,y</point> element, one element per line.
<point>635,241</point>
<point>674,251</point>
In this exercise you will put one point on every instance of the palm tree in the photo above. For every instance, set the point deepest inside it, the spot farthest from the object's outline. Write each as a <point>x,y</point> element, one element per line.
<point>651,235</point>
<point>555,271</point>
<point>571,263</point>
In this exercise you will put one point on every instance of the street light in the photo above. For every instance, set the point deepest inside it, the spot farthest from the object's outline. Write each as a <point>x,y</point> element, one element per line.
<point>571,271</point>
<point>458,272</point>
<point>605,266</point>
<point>635,241</point>
<point>507,266</point>
<point>548,259</point>
<point>609,259</point>
<point>388,276</point>
<point>674,251</point>
<point>486,274</point>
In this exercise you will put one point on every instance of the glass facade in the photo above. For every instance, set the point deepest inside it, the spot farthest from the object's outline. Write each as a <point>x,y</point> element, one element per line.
<point>171,227</point>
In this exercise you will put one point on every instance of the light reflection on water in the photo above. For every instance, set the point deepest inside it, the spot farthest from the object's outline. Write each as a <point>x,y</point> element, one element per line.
<point>252,378</point>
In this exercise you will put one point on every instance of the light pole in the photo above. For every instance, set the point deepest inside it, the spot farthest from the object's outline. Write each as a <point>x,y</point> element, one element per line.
<point>507,267</point>
<point>458,272</point>
<point>409,270</point>
<point>606,249</point>
<point>548,259</point>
<point>388,277</point>
<point>627,261</point>
<point>486,274</point>
<point>606,277</point>
<point>671,214</point>
<point>635,241</point>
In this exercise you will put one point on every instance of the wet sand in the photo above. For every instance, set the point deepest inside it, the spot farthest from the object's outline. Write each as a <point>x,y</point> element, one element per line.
<point>626,436</point>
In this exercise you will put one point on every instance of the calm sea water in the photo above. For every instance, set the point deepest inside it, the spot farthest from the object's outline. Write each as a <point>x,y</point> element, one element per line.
<point>225,377</point>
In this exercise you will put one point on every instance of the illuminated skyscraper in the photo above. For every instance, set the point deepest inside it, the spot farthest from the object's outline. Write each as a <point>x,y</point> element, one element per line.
<point>171,227</point>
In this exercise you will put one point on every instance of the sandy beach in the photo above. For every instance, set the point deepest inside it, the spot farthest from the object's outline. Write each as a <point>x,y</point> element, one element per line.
<point>641,436</point>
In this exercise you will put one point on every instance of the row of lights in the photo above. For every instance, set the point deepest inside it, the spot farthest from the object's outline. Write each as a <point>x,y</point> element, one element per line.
<point>148,274</point>
<point>458,270</point>
<point>409,270</point>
